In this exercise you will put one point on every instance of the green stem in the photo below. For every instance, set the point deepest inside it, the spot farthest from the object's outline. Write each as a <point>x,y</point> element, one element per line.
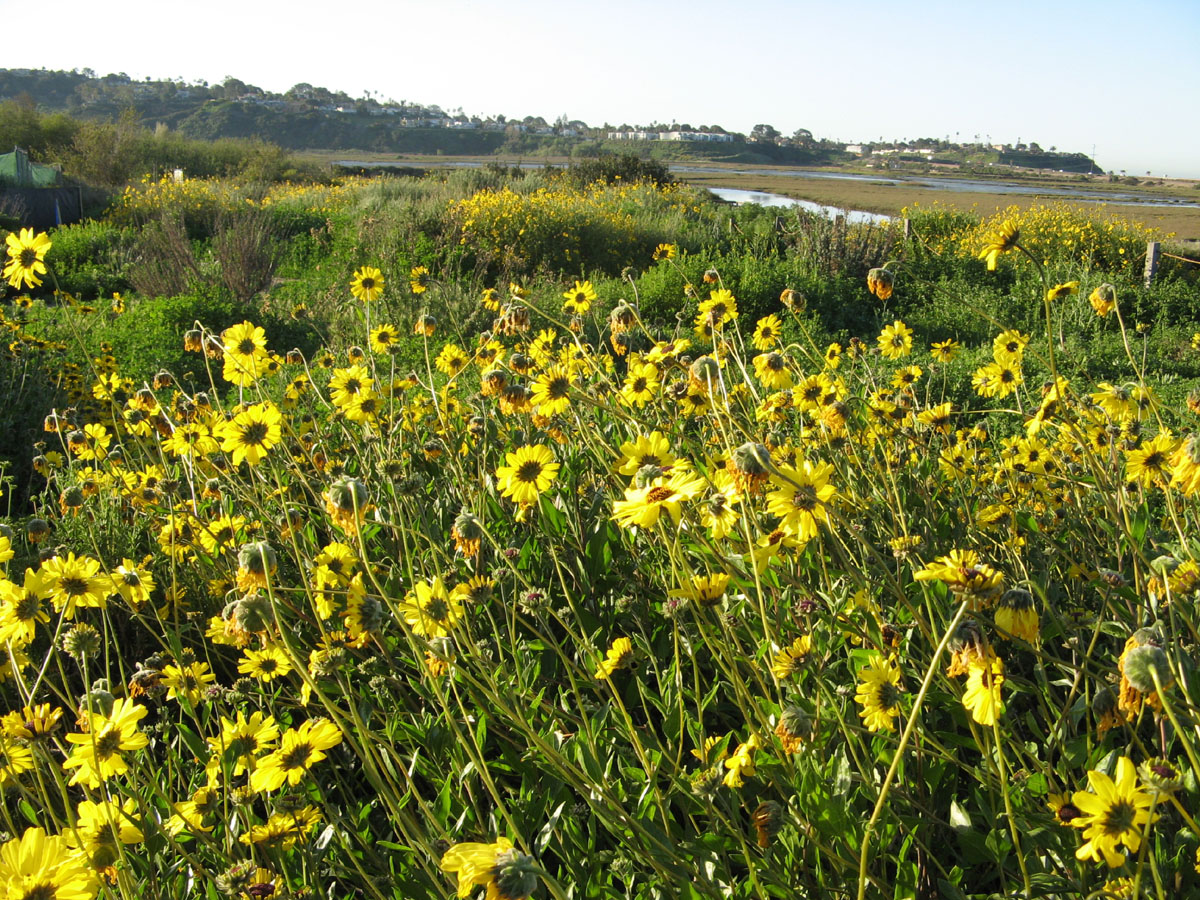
<point>898,755</point>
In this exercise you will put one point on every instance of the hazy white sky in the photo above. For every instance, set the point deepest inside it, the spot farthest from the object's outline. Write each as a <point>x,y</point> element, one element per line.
<point>1117,77</point>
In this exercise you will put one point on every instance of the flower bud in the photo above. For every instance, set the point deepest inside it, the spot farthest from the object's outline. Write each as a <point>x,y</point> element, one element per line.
<point>1143,663</point>
<point>879,283</point>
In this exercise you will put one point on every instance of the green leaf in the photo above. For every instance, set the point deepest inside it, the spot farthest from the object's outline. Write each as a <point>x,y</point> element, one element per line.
<point>547,832</point>
<point>392,845</point>
<point>960,819</point>
<point>28,812</point>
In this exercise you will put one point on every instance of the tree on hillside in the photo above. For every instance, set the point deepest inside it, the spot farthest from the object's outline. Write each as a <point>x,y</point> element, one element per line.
<point>764,133</point>
<point>234,87</point>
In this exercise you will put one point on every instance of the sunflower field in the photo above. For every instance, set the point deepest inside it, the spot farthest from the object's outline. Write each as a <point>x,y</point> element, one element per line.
<point>515,589</point>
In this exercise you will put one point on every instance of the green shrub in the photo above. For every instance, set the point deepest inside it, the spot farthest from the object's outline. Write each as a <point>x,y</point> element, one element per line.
<point>92,260</point>
<point>29,394</point>
<point>1168,301</point>
<point>147,337</point>
<point>613,169</point>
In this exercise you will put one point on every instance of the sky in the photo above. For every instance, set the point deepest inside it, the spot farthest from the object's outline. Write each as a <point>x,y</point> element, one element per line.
<point>1116,79</point>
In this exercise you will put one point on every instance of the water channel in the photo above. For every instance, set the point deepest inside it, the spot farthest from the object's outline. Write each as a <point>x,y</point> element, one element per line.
<point>762,198</point>
<point>960,185</point>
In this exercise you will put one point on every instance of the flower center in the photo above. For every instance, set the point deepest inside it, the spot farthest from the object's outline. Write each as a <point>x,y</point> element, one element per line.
<point>558,389</point>
<point>805,498</point>
<point>1118,818</point>
<point>255,434</point>
<point>437,610</point>
<point>74,586</point>
<point>889,695</point>
<point>108,742</point>
<point>27,608</point>
<point>529,472</point>
<point>47,891</point>
<point>244,745</point>
<point>296,757</point>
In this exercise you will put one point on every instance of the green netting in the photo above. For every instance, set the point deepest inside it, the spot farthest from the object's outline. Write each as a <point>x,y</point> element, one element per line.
<point>17,171</point>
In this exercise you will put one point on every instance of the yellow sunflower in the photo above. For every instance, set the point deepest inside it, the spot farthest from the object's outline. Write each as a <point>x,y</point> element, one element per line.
<point>38,865</point>
<point>384,339</point>
<point>552,391</point>
<point>801,498</point>
<point>26,252</point>
<point>367,284</point>
<point>267,664</point>
<point>429,610</point>
<point>645,450</point>
<point>1002,241</point>
<point>879,693</point>
<point>1114,814</point>
<point>1150,464</point>
<point>982,695</point>
<point>617,657</point>
<point>71,582</point>
<point>895,341</point>
<point>97,754</point>
<point>791,658</point>
<point>252,432</point>
<point>579,299</point>
<point>506,873</point>
<point>529,471</point>
<point>643,506</point>
<point>1062,290</point>
<point>299,750</point>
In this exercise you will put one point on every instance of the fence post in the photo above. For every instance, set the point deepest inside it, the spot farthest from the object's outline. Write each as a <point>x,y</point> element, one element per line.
<point>907,229</point>
<point>1153,250</point>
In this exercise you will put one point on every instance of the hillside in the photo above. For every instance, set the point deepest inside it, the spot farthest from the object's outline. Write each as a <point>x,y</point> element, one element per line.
<point>313,118</point>
<point>306,117</point>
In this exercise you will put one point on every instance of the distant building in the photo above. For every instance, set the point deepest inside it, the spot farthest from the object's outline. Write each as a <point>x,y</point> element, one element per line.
<point>911,151</point>
<point>670,136</point>
<point>696,136</point>
<point>855,148</point>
